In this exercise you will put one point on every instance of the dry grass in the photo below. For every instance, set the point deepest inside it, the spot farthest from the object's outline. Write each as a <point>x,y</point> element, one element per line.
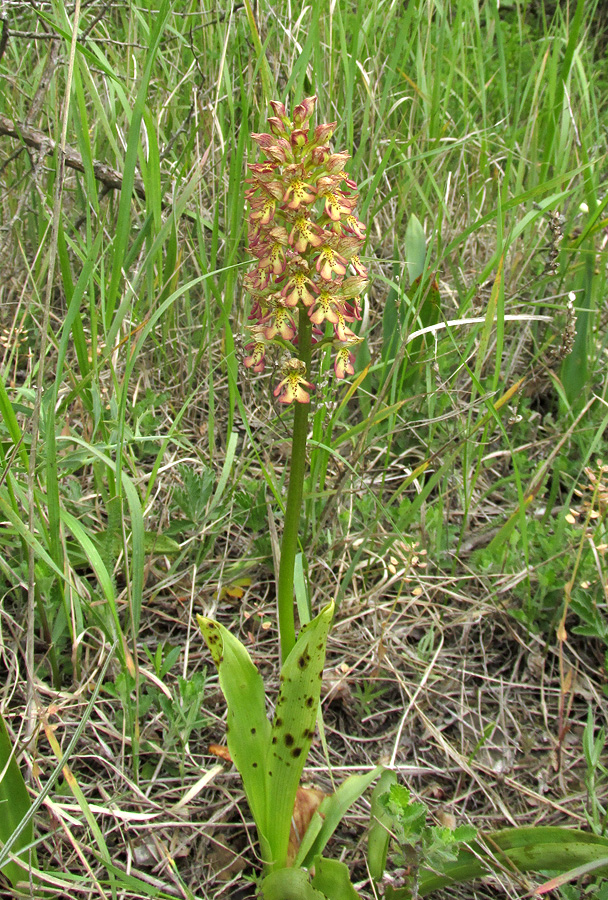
<point>482,721</point>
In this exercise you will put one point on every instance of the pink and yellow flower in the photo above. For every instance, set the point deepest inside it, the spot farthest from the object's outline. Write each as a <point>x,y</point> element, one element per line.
<point>257,351</point>
<point>293,385</point>
<point>299,191</point>
<point>304,233</point>
<point>278,320</point>
<point>345,361</point>
<point>297,290</point>
<point>330,261</point>
<point>326,309</point>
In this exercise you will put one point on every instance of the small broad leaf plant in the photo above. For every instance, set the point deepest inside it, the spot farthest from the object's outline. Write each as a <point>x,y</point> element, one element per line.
<point>305,284</point>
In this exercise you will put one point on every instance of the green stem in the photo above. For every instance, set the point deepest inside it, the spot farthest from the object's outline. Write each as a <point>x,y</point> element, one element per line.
<point>289,544</point>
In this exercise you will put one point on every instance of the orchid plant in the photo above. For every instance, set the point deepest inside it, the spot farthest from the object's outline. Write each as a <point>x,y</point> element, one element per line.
<point>305,285</point>
<point>307,281</point>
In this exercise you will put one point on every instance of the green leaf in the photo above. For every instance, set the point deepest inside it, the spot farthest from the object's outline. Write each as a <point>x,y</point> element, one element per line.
<point>123,222</point>
<point>7,411</point>
<point>81,48</point>
<point>289,884</point>
<point>527,849</point>
<point>24,821</point>
<point>137,551</point>
<point>332,878</point>
<point>415,248</point>
<point>329,815</point>
<point>424,295</point>
<point>575,367</point>
<point>247,728</point>
<point>226,469</point>
<point>160,544</point>
<point>408,817</point>
<point>270,759</point>
<point>392,318</point>
<point>293,727</point>
<point>379,833</point>
<point>14,805</point>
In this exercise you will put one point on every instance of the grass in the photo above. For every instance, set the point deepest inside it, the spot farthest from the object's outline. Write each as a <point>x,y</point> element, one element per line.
<point>453,510</point>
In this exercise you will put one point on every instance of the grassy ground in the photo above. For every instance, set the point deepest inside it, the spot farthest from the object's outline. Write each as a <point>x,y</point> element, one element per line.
<point>455,508</point>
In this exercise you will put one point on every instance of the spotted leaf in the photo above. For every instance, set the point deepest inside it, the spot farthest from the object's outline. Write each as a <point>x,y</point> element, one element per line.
<point>293,728</point>
<point>247,727</point>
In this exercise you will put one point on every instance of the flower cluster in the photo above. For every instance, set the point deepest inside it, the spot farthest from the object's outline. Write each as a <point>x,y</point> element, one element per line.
<point>306,238</point>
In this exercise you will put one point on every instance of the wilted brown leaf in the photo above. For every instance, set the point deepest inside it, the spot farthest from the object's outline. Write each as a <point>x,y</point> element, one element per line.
<point>307,802</point>
<point>221,751</point>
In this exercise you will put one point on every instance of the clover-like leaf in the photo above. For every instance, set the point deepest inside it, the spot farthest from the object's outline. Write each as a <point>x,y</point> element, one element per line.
<point>289,884</point>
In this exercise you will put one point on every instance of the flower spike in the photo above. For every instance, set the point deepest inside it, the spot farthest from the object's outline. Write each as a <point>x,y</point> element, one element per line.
<point>305,236</point>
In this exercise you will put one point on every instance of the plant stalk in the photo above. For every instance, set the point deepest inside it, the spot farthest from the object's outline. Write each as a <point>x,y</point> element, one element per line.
<point>289,543</point>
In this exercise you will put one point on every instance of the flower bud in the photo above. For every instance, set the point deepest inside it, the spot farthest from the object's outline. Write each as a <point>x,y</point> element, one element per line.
<point>336,161</point>
<point>323,133</point>
<point>279,109</point>
<point>303,111</point>
<point>277,127</point>
<point>319,155</point>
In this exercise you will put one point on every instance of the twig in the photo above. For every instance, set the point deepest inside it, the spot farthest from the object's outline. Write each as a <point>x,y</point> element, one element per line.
<point>109,177</point>
<point>45,79</point>
<point>33,137</point>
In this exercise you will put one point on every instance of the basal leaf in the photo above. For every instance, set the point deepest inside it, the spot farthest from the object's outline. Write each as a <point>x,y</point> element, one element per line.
<point>330,814</point>
<point>379,828</point>
<point>289,884</point>
<point>332,878</point>
<point>528,849</point>
<point>293,727</point>
<point>270,759</point>
<point>247,728</point>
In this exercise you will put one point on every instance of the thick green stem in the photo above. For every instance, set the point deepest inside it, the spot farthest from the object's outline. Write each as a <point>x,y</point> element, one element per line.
<point>289,544</point>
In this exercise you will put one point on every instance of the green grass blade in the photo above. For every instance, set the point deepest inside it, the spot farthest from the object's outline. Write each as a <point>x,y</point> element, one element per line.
<point>14,806</point>
<point>26,821</point>
<point>543,848</point>
<point>123,221</point>
<point>331,812</point>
